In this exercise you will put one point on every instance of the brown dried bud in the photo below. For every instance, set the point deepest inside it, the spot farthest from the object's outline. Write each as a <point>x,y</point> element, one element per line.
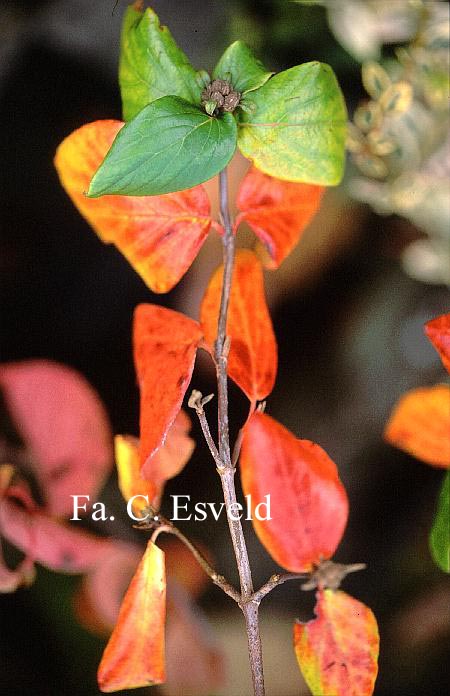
<point>222,93</point>
<point>231,101</point>
<point>218,98</point>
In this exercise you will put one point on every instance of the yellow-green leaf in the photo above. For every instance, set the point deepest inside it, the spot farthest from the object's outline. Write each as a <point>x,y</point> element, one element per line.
<point>297,126</point>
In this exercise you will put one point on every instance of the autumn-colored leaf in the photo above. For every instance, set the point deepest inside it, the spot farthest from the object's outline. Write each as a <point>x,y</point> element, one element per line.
<point>338,651</point>
<point>183,568</point>
<point>438,331</point>
<point>49,542</point>
<point>65,426</point>
<point>308,503</point>
<point>159,235</point>
<point>134,655</point>
<point>420,425</point>
<point>252,361</point>
<point>131,483</point>
<point>195,664</point>
<point>100,594</point>
<point>166,463</point>
<point>172,457</point>
<point>165,344</point>
<point>277,211</point>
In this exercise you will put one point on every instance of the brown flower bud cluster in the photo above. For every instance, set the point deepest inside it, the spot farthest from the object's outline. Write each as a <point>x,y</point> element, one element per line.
<point>223,94</point>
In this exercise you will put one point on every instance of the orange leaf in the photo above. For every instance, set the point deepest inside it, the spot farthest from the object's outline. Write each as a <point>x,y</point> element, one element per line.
<point>277,211</point>
<point>338,651</point>
<point>165,344</point>
<point>420,425</point>
<point>166,463</point>
<point>160,236</point>
<point>308,503</point>
<point>438,331</point>
<point>172,457</point>
<point>252,361</point>
<point>134,655</point>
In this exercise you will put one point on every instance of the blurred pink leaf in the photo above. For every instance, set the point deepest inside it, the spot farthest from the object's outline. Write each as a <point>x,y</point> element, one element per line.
<point>49,542</point>
<point>98,600</point>
<point>64,425</point>
<point>194,664</point>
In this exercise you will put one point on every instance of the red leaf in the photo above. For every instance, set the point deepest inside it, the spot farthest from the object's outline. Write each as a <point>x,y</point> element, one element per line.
<point>438,331</point>
<point>338,651</point>
<point>277,211</point>
<point>160,236</point>
<point>134,655</point>
<point>165,344</point>
<point>64,424</point>
<point>252,361</point>
<point>420,425</point>
<point>308,503</point>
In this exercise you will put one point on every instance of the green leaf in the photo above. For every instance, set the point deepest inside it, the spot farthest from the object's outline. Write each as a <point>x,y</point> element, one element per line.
<point>170,145</point>
<point>440,532</point>
<point>151,64</point>
<point>297,127</point>
<point>247,73</point>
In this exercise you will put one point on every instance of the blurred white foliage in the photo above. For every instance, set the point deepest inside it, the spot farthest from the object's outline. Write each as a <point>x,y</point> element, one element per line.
<point>399,138</point>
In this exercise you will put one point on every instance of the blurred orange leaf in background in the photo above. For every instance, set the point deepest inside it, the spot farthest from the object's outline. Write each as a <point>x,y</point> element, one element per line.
<point>338,651</point>
<point>420,425</point>
<point>134,655</point>
<point>165,344</point>
<point>277,211</point>
<point>309,506</point>
<point>160,236</point>
<point>252,361</point>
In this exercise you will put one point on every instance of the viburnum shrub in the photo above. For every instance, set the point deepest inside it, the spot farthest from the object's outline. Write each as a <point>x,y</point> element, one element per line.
<point>138,183</point>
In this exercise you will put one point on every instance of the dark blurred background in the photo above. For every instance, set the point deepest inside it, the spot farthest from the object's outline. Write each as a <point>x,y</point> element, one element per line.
<point>348,322</point>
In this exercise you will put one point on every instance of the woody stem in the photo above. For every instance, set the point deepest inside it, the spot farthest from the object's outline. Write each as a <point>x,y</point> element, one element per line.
<point>227,468</point>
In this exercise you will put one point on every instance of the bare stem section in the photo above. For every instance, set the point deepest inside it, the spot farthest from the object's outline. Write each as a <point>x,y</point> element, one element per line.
<point>227,470</point>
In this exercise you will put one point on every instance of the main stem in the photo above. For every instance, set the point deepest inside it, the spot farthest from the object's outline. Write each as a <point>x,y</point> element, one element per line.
<point>227,470</point>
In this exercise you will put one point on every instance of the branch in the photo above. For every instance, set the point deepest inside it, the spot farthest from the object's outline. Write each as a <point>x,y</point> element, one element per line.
<point>274,581</point>
<point>160,525</point>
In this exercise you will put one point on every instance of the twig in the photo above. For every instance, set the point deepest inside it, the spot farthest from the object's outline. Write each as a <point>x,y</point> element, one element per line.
<point>197,401</point>
<point>274,581</point>
<point>166,527</point>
